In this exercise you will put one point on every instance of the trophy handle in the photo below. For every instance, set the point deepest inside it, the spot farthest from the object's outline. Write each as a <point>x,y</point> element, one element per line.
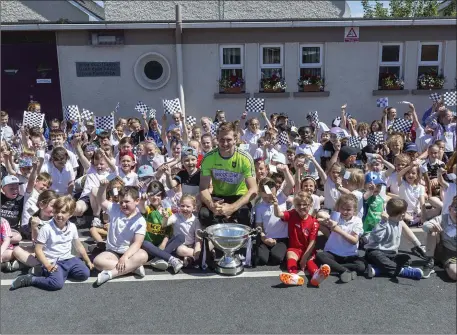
<point>201,233</point>
<point>255,231</point>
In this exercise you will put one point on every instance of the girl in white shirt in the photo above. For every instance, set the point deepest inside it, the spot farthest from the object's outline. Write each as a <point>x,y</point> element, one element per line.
<point>186,224</point>
<point>411,190</point>
<point>353,183</point>
<point>61,171</point>
<point>332,182</point>
<point>341,250</point>
<point>401,161</point>
<point>127,168</point>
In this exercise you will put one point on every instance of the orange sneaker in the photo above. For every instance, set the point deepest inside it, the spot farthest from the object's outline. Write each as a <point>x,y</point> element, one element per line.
<point>320,275</point>
<point>291,279</point>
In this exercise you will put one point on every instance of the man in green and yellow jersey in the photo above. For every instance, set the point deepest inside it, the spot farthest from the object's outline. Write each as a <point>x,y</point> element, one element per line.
<point>231,174</point>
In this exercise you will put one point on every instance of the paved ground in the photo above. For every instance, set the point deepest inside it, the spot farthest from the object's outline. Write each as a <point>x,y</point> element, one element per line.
<point>254,302</point>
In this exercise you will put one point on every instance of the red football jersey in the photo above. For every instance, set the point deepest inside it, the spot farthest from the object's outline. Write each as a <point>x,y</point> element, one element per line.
<point>301,231</point>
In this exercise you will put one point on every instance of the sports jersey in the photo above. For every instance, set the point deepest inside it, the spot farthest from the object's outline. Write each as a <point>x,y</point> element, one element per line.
<point>228,174</point>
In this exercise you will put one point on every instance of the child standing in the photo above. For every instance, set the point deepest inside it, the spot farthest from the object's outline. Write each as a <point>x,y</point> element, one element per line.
<point>53,250</point>
<point>302,231</point>
<point>341,250</point>
<point>384,241</point>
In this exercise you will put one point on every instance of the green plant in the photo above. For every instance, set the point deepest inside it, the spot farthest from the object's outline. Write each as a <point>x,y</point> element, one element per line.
<point>430,80</point>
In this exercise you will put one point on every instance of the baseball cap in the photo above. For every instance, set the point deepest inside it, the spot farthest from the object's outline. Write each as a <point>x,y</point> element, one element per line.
<point>411,147</point>
<point>347,152</point>
<point>8,180</point>
<point>145,171</point>
<point>375,178</point>
<point>278,158</point>
<point>188,151</point>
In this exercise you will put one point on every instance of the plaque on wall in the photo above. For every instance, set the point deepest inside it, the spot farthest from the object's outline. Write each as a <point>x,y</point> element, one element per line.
<point>98,69</point>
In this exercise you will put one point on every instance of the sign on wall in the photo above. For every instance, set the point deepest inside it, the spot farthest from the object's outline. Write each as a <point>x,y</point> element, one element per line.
<point>351,34</point>
<point>98,69</point>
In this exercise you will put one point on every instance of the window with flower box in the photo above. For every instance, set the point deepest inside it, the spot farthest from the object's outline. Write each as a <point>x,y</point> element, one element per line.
<point>390,66</point>
<point>311,58</point>
<point>429,72</point>
<point>272,68</point>
<point>231,78</point>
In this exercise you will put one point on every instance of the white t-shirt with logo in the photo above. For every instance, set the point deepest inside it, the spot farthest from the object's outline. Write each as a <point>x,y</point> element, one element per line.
<point>338,245</point>
<point>273,226</point>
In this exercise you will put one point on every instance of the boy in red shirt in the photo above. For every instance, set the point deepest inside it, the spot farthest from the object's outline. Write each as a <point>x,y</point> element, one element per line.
<point>303,230</point>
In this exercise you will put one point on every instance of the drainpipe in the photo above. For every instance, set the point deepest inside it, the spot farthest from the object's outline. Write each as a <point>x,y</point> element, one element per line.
<point>179,58</point>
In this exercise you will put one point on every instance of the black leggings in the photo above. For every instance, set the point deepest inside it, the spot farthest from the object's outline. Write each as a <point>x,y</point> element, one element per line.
<point>340,264</point>
<point>272,255</point>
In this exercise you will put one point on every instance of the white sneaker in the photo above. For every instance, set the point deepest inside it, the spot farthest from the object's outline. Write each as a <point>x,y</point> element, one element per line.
<point>176,263</point>
<point>140,271</point>
<point>159,264</point>
<point>103,277</point>
<point>97,223</point>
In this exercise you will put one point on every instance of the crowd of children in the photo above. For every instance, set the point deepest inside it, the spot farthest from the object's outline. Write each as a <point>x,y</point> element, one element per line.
<point>358,187</point>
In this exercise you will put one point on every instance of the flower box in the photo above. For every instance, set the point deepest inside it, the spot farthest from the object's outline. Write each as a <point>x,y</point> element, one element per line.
<point>430,81</point>
<point>392,88</point>
<point>311,88</point>
<point>430,87</point>
<point>273,90</point>
<point>233,90</point>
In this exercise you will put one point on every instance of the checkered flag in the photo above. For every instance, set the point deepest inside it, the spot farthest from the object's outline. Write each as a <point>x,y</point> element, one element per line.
<point>313,117</point>
<point>87,115</point>
<point>104,122</point>
<point>33,119</point>
<point>213,130</point>
<point>16,150</point>
<point>435,97</point>
<point>190,120</point>
<point>116,109</point>
<point>382,102</point>
<point>375,138</point>
<point>355,141</point>
<point>449,98</point>
<point>255,105</point>
<point>141,108</point>
<point>172,106</point>
<point>401,125</point>
<point>152,113</point>
<point>283,138</point>
<point>71,113</point>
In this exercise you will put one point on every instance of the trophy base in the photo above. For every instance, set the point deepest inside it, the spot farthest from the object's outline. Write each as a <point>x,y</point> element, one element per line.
<point>229,266</point>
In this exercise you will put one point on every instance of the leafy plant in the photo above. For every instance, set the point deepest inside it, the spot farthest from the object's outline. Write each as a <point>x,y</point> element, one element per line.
<point>430,80</point>
<point>309,79</point>
<point>231,82</point>
<point>274,82</point>
<point>390,80</point>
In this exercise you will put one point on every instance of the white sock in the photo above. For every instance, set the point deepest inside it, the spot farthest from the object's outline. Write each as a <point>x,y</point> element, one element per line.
<point>104,276</point>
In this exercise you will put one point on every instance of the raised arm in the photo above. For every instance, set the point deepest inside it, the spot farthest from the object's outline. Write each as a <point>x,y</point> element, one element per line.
<point>320,171</point>
<point>185,132</point>
<point>76,143</point>
<point>101,195</point>
<point>163,132</point>
<point>267,121</point>
<point>37,165</point>
<point>278,212</point>
<point>289,179</point>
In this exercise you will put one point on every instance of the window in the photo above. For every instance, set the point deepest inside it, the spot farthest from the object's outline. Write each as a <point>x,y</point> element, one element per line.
<point>429,58</point>
<point>271,62</point>
<point>231,63</point>
<point>152,71</point>
<point>311,60</point>
<point>390,61</point>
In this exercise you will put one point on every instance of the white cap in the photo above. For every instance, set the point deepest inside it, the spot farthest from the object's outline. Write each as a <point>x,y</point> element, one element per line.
<point>8,180</point>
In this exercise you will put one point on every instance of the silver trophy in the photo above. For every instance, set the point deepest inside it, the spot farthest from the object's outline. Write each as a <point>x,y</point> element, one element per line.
<point>228,237</point>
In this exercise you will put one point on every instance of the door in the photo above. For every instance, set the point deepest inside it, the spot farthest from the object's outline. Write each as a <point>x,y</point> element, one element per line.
<point>30,71</point>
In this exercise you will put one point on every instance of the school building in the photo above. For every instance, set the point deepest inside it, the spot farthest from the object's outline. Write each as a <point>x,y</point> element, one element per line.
<point>97,63</point>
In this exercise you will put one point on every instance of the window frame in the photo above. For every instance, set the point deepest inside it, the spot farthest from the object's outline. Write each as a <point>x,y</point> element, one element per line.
<point>223,66</point>
<point>271,66</point>
<point>437,63</point>
<point>311,65</point>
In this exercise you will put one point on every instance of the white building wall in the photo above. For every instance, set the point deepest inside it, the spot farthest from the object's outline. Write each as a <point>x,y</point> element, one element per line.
<point>222,10</point>
<point>351,71</point>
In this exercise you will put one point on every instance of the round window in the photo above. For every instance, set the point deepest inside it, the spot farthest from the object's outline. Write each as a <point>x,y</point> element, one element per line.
<point>153,70</point>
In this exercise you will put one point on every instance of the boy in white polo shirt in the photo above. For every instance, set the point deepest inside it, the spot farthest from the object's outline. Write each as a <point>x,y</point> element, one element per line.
<point>53,250</point>
<point>126,231</point>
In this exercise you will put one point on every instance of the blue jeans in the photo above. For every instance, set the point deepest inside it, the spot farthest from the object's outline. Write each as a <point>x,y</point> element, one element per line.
<point>154,251</point>
<point>72,268</point>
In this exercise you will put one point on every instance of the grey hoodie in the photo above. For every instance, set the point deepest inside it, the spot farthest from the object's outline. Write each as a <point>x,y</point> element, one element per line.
<point>386,235</point>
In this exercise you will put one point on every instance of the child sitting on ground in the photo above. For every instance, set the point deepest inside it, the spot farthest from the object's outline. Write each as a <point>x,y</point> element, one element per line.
<point>185,223</point>
<point>53,250</point>
<point>384,241</point>
<point>302,231</point>
<point>158,242</point>
<point>341,250</point>
<point>442,242</point>
<point>127,228</point>
<point>6,248</point>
